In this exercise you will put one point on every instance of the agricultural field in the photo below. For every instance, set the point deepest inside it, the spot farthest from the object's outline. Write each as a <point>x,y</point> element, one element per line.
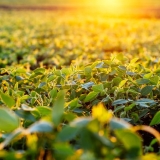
<point>79,86</point>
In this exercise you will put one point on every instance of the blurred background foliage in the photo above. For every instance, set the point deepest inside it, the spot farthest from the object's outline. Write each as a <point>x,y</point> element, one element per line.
<point>146,3</point>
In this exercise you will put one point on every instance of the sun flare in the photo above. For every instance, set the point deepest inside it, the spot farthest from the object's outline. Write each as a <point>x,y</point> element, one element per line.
<point>113,5</point>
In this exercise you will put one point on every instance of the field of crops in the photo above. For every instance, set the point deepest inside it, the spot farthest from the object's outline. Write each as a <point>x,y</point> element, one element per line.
<point>78,86</point>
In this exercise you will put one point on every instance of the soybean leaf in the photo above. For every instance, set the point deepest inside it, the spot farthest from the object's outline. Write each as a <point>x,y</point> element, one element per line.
<point>120,101</point>
<point>116,123</point>
<point>44,111</point>
<point>74,104</point>
<point>130,107</point>
<point>142,81</point>
<point>39,70</point>
<point>104,140</point>
<point>80,122</point>
<point>131,141</point>
<point>40,127</point>
<point>63,150</point>
<point>123,68</point>
<point>156,119</point>
<point>58,108</point>
<point>41,84</point>
<point>88,71</point>
<point>87,85</point>
<point>100,65</point>
<point>116,81</point>
<point>118,108</point>
<point>147,76</point>
<point>98,88</point>
<point>154,80</point>
<point>145,100</point>
<point>27,108</point>
<point>91,96</point>
<point>122,83</point>
<point>8,120</point>
<point>68,133</point>
<point>130,73</point>
<point>53,93</point>
<point>146,90</point>
<point>8,100</point>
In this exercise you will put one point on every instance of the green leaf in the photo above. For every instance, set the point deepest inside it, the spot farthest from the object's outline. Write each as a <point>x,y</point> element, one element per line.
<point>120,101</point>
<point>39,70</point>
<point>98,88</point>
<point>8,100</point>
<point>146,90</point>
<point>145,100</point>
<point>53,93</point>
<point>135,116</point>
<point>51,78</point>
<point>86,140</point>
<point>130,107</point>
<point>116,81</point>
<point>62,150</point>
<point>58,108</point>
<point>142,81</point>
<point>119,108</point>
<point>116,123</point>
<point>25,97</point>
<point>87,85</point>
<point>90,96</point>
<point>27,108</point>
<point>104,140</point>
<point>68,133</point>
<point>123,68</point>
<point>100,65</point>
<point>74,104</point>
<point>131,141</point>
<point>80,122</point>
<point>156,119</point>
<point>44,111</point>
<point>130,73</point>
<point>132,91</point>
<point>122,83</point>
<point>88,71</point>
<point>154,80</point>
<point>19,78</point>
<point>42,84</point>
<point>147,76</point>
<point>143,113</point>
<point>40,127</point>
<point>8,120</point>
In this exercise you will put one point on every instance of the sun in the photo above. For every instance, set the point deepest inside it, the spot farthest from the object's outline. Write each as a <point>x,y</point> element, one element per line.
<point>112,5</point>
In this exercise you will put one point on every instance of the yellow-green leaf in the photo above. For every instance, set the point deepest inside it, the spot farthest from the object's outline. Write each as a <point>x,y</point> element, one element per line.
<point>7,100</point>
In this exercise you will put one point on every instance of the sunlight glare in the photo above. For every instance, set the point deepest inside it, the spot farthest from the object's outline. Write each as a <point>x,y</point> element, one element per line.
<point>113,5</point>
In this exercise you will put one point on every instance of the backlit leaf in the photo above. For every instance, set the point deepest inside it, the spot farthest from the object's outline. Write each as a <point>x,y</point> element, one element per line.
<point>8,120</point>
<point>155,119</point>
<point>58,108</point>
<point>91,96</point>
<point>8,100</point>
<point>131,141</point>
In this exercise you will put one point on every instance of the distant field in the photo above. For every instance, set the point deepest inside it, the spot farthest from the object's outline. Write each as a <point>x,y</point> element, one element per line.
<point>56,37</point>
<point>140,9</point>
<point>148,3</point>
<point>74,82</point>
